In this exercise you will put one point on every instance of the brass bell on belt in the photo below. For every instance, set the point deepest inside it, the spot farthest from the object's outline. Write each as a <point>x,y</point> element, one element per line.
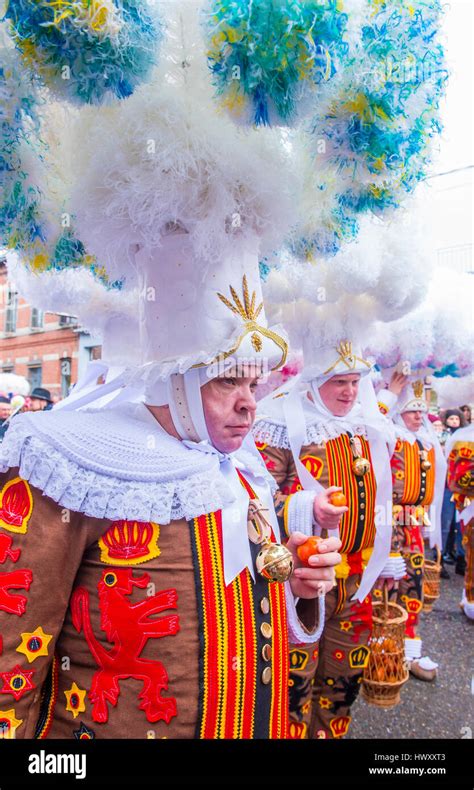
<point>425,464</point>
<point>275,562</point>
<point>360,466</point>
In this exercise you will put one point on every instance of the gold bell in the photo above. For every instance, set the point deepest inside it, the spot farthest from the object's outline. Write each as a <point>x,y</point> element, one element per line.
<point>425,464</point>
<point>360,466</point>
<point>275,562</point>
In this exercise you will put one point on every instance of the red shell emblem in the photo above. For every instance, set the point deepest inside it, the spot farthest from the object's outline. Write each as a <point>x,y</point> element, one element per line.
<point>129,543</point>
<point>297,730</point>
<point>340,726</point>
<point>16,505</point>
<point>314,465</point>
<point>413,605</point>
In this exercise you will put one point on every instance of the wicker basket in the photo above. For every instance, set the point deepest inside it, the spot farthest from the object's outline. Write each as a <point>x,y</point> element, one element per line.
<point>386,669</point>
<point>431,582</point>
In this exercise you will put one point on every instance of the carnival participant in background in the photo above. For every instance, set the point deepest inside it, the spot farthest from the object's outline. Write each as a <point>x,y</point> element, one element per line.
<point>418,474</point>
<point>40,399</point>
<point>325,434</point>
<point>5,410</point>
<point>460,454</point>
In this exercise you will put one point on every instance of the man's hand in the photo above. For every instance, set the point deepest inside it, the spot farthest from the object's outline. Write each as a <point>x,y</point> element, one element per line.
<point>384,580</point>
<point>320,577</point>
<point>397,382</point>
<point>325,514</point>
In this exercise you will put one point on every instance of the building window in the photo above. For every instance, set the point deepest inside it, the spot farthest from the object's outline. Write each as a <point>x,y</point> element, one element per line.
<point>11,310</point>
<point>66,368</point>
<point>67,320</point>
<point>7,369</point>
<point>95,352</point>
<point>36,318</point>
<point>34,376</point>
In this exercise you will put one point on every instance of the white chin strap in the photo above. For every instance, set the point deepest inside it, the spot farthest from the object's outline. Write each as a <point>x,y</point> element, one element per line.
<point>182,393</point>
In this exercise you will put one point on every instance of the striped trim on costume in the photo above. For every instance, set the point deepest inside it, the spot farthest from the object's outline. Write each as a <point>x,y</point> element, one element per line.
<point>357,526</point>
<point>234,700</point>
<point>48,701</point>
<point>412,494</point>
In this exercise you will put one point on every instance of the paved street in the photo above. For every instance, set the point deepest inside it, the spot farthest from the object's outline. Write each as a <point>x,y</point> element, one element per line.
<point>431,710</point>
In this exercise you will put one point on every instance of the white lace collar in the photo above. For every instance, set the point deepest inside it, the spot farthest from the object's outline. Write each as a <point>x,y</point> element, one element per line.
<point>115,464</point>
<point>270,427</point>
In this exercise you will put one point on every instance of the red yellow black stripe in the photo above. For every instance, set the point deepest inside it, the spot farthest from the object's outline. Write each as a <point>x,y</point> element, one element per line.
<point>356,533</point>
<point>48,701</point>
<point>412,494</point>
<point>280,708</point>
<point>234,700</point>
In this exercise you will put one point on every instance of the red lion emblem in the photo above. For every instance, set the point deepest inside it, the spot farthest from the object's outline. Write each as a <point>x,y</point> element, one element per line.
<point>128,626</point>
<point>14,580</point>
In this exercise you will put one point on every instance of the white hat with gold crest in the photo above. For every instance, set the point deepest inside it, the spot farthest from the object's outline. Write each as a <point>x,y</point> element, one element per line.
<point>412,397</point>
<point>195,314</point>
<point>335,360</point>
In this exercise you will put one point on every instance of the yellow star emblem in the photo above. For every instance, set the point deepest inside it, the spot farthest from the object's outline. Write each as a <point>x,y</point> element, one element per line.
<point>346,625</point>
<point>34,644</point>
<point>75,700</point>
<point>9,724</point>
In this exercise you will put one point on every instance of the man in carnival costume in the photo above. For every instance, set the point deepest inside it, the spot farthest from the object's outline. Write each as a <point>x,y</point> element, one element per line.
<point>460,455</point>
<point>325,433</point>
<point>143,581</point>
<point>418,476</point>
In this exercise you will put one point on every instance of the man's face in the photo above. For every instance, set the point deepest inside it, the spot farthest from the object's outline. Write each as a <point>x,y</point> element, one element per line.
<point>36,404</point>
<point>229,408</point>
<point>339,393</point>
<point>4,411</point>
<point>413,420</point>
<point>453,421</point>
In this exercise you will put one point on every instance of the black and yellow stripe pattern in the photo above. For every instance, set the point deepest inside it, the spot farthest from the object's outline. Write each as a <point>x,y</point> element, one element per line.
<point>243,665</point>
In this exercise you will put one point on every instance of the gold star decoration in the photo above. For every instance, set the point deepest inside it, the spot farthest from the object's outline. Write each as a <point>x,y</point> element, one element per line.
<point>75,700</point>
<point>9,724</point>
<point>34,644</point>
<point>346,625</point>
<point>324,703</point>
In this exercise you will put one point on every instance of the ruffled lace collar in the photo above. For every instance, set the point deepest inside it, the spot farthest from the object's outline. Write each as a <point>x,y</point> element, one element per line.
<point>112,464</point>
<point>270,427</point>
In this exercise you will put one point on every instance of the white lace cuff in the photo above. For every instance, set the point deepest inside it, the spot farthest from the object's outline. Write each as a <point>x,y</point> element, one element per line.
<point>300,512</point>
<point>297,631</point>
<point>412,648</point>
<point>394,568</point>
<point>386,400</point>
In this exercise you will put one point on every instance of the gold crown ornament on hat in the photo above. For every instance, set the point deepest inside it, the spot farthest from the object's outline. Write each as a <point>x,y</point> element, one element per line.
<point>418,388</point>
<point>274,561</point>
<point>412,397</point>
<point>249,311</point>
<point>347,357</point>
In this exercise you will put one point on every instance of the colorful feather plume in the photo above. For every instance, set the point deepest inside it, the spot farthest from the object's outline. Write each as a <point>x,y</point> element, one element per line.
<point>85,50</point>
<point>267,58</point>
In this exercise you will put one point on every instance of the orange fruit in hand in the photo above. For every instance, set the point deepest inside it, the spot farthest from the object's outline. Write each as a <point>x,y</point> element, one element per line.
<point>307,549</point>
<point>338,499</point>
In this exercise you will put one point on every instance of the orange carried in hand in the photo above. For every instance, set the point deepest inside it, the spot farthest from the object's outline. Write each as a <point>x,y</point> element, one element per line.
<point>307,549</point>
<point>338,499</point>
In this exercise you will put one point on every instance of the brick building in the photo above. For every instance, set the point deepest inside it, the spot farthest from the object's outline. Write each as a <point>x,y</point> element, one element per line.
<point>46,348</point>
